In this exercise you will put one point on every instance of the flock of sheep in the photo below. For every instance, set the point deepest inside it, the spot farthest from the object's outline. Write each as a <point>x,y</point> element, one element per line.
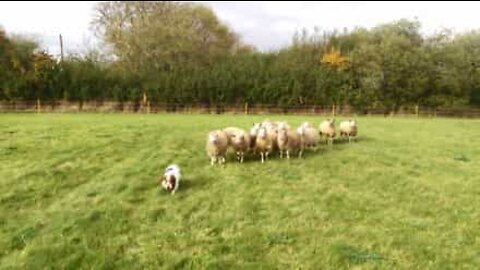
<point>268,137</point>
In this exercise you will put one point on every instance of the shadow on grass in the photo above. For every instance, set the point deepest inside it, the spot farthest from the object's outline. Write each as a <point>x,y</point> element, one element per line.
<point>360,139</point>
<point>350,255</point>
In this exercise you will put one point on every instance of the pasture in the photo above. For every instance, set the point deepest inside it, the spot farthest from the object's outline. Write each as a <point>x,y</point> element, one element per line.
<point>81,191</point>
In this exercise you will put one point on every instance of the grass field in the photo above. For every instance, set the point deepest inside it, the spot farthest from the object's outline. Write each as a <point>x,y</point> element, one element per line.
<point>81,192</point>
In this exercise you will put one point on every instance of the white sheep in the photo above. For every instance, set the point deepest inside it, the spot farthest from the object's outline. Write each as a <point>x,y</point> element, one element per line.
<point>311,135</point>
<point>272,132</point>
<point>306,125</point>
<point>269,124</point>
<point>348,129</point>
<point>253,135</point>
<point>327,129</point>
<point>217,145</point>
<point>263,143</point>
<point>290,141</point>
<point>239,140</point>
<point>282,125</point>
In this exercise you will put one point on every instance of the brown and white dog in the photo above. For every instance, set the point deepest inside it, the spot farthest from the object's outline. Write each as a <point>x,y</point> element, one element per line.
<point>171,178</point>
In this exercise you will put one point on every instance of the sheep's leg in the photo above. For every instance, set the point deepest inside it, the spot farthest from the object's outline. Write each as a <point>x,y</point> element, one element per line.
<point>241,157</point>
<point>288,154</point>
<point>300,153</point>
<point>281,154</point>
<point>261,154</point>
<point>212,161</point>
<point>266,155</point>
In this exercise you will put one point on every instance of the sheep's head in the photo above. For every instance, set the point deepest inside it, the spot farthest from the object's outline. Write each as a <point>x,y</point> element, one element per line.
<point>301,130</point>
<point>237,138</point>
<point>306,125</point>
<point>254,129</point>
<point>283,125</point>
<point>213,137</point>
<point>262,133</point>
<point>282,136</point>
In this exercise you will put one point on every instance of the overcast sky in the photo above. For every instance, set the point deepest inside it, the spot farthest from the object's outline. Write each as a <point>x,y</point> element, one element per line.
<point>267,25</point>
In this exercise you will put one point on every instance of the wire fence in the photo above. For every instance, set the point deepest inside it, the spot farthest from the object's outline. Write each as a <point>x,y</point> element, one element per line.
<point>253,109</point>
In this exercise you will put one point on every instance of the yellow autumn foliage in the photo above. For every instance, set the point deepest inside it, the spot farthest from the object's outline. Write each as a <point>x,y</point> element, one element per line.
<point>335,60</point>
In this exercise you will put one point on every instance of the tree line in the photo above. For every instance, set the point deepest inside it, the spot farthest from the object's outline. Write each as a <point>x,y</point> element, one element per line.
<point>180,53</point>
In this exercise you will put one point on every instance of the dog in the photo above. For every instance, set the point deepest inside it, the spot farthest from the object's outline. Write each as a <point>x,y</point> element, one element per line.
<point>171,178</point>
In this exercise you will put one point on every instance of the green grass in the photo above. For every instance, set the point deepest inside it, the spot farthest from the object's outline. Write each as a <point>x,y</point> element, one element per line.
<point>82,192</point>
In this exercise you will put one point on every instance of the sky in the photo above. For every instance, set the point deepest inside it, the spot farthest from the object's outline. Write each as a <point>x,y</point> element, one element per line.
<point>266,25</point>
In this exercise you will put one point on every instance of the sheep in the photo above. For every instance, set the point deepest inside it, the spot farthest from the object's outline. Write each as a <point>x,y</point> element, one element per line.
<point>306,125</point>
<point>239,140</point>
<point>311,135</point>
<point>272,132</point>
<point>290,141</point>
<point>275,125</point>
<point>282,125</point>
<point>253,135</point>
<point>327,129</point>
<point>348,129</point>
<point>217,145</point>
<point>263,143</point>
<point>269,124</point>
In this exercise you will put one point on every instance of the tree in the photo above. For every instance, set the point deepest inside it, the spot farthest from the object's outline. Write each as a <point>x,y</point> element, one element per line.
<point>151,37</point>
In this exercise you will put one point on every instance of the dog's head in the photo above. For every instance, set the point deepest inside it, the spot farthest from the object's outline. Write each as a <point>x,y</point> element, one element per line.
<point>169,182</point>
